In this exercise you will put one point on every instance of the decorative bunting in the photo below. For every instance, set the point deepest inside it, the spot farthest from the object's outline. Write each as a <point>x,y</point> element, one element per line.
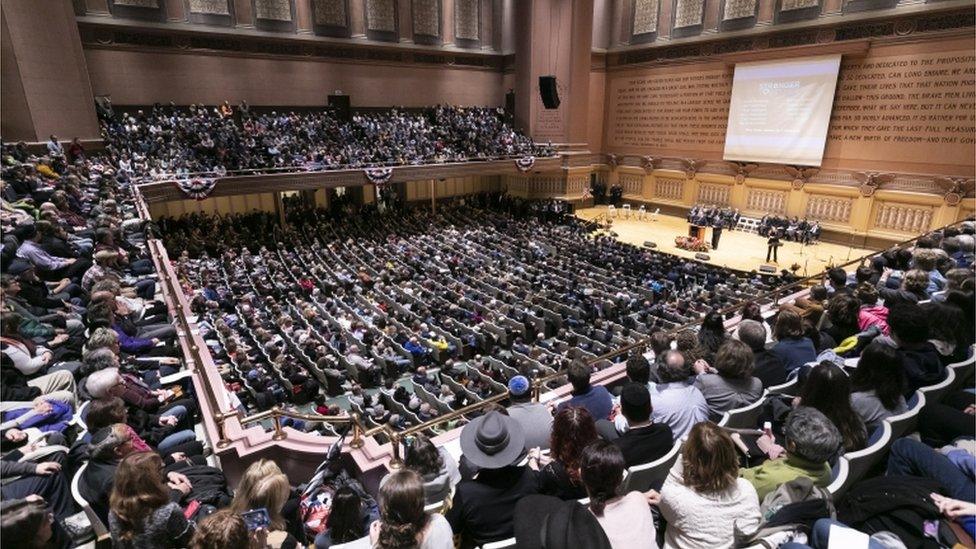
<point>379,176</point>
<point>525,163</point>
<point>197,188</point>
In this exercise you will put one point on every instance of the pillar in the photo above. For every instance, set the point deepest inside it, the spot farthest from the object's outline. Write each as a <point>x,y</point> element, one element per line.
<point>553,37</point>
<point>46,89</point>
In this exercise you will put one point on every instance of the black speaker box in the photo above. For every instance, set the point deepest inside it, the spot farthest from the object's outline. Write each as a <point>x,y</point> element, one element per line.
<point>548,92</point>
<point>649,244</point>
<point>767,269</point>
<point>702,256</point>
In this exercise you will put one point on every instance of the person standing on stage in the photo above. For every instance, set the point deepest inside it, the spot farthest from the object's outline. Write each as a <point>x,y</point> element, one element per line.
<point>772,246</point>
<point>716,232</point>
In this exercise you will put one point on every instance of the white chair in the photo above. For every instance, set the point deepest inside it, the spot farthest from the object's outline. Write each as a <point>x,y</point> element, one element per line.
<point>611,211</point>
<point>934,393</point>
<point>784,388</point>
<point>641,212</point>
<point>854,466</point>
<point>906,422</point>
<point>655,213</point>
<point>743,418</point>
<point>963,371</point>
<point>98,527</point>
<point>651,475</point>
<point>626,209</point>
<point>503,544</point>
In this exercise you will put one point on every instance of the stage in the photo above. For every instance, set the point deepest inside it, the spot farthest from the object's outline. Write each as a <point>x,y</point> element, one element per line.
<point>736,249</point>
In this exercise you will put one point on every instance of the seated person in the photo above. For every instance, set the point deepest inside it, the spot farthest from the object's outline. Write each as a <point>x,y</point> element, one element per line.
<point>596,399</point>
<point>811,440</point>
<point>677,402</point>
<point>483,507</point>
<point>644,441</point>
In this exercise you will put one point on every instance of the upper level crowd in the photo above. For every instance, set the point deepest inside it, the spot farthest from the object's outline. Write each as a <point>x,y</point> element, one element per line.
<point>169,142</point>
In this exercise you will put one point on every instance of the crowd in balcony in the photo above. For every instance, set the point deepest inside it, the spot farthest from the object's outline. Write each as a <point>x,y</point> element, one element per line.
<point>169,142</point>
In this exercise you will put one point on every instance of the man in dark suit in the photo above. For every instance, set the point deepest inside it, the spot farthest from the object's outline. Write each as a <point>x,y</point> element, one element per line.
<point>769,368</point>
<point>643,442</point>
<point>716,232</point>
<point>772,246</point>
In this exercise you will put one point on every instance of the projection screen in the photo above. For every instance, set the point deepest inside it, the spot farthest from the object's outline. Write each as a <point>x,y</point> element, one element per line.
<point>780,110</point>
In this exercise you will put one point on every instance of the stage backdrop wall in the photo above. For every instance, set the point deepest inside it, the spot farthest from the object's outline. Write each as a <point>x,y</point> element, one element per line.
<point>902,107</point>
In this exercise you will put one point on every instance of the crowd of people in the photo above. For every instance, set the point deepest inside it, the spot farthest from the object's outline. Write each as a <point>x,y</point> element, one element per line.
<point>406,316</point>
<point>457,303</point>
<point>170,142</point>
<point>793,229</point>
<point>89,363</point>
<point>711,215</point>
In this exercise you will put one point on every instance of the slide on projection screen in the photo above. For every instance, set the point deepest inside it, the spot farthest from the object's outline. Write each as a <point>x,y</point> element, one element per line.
<point>780,110</point>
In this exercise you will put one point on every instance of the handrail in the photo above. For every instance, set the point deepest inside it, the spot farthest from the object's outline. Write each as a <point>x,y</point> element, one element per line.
<point>300,168</point>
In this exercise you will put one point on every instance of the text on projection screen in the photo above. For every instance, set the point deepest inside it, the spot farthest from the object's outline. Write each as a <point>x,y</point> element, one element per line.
<point>780,110</point>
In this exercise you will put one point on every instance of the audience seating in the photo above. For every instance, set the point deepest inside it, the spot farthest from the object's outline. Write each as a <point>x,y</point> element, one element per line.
<point>651,475</point>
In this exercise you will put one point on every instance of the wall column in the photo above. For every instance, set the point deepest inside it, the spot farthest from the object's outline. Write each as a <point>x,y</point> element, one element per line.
<point>553,37</point>
<point>46,89</point>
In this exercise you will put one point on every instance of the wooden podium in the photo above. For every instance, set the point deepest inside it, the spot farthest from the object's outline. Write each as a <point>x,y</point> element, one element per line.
<point>697,231</point>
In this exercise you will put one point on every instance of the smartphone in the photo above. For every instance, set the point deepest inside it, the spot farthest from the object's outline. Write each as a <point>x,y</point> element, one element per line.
<point>256,518</point>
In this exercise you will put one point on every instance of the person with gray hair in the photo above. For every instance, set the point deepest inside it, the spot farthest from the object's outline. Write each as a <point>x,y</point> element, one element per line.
<point>676,401</point>
<point>99,359</point>
<point>769,368</point>
<point>103,337</point>
<point>811,440</point>
<point>101,382</point>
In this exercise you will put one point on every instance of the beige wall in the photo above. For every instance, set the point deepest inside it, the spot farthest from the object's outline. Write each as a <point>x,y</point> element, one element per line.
<point>143,77</point>
<point>223,205</point>
<point>683,110</point>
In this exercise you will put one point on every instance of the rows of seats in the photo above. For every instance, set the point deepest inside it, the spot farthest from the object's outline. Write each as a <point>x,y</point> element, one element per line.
<point>391,302</point>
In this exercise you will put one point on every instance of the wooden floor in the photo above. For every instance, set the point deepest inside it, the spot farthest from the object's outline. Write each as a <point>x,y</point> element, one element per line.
<point>736,249</point>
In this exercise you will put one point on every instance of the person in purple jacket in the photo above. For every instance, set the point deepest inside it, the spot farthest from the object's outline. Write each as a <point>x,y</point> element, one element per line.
<point>44,415</point>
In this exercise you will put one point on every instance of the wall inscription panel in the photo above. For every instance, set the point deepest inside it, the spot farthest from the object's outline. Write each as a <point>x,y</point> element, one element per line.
<point>658,110</point>
<point>330,12</point>
<point>381,15</point>
<point>908,107</point>
<point>645,16</point>
<point>427,17</point>
<point>911,105</point>
<point>273,10</point>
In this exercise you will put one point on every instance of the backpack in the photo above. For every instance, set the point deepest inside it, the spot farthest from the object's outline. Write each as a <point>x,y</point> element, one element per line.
<point>788,514</point>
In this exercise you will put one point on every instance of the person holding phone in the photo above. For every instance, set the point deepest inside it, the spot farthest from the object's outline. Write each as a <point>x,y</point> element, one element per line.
<point>141,513</point>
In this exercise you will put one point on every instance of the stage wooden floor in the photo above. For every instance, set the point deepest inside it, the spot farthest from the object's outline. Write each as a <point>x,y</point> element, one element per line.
<point>736,249</point>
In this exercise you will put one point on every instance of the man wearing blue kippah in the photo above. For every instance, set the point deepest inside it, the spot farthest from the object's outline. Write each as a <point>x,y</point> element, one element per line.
<point>534,418</point>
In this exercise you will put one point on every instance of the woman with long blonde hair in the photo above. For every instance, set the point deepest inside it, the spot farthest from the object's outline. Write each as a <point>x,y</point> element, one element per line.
<point>264,486</point>
<point>141,514</point>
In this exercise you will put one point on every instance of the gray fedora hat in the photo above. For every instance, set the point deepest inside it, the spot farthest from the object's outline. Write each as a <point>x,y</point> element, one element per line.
<point>492,441</point>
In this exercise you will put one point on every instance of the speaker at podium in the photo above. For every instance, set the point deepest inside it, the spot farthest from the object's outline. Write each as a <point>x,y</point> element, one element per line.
<point>696,231</point>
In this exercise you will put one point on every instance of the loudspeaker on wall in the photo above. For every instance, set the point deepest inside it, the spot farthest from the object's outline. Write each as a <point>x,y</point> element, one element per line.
<point>548,92</point>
